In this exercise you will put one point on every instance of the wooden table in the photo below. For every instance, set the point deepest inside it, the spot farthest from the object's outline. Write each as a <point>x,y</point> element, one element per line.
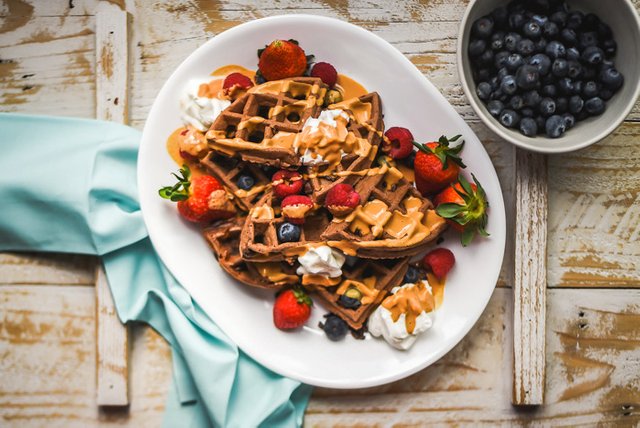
<point>47,302</point>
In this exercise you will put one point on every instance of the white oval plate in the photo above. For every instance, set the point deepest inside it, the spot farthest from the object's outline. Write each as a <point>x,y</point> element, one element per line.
<point>245,314</point>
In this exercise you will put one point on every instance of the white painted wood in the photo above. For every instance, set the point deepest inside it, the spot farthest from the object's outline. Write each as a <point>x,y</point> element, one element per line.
<point>111,104</point>
<point>530,280</point>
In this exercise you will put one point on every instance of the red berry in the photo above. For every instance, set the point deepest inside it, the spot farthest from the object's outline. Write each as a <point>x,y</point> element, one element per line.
<point>400,144</point>
<point>236,81</point>
<point>326,72</point>
<point>437,165</point>
<point>286,183</point>
<point>282,59</point>
<point>291,309</point>
<point>439,261</point>
<point>342,199</point>
<point>295,207</point>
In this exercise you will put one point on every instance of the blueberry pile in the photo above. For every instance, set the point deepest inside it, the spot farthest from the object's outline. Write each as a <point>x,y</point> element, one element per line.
<point>540,67</point>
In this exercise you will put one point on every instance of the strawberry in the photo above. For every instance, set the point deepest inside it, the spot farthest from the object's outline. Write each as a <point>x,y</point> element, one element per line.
<point>399,142</point>
<point>282,59</point>
<point>440,261</point>
<point>342,199</point>
<point>287,183</point>
<point>200,199</point>
<point>326,72</point>
<point>295,207</point>
<point>291,309</point>
<point>235,83</point>
<point>437,165</point>
<point>465,206</point>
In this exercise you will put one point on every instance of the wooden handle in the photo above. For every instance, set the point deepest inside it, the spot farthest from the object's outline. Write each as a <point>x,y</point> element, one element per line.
<point>529,289</point>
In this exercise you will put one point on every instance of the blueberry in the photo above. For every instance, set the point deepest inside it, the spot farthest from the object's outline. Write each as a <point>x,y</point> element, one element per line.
<point>514,61</point>
<point>575,69</point>
<point>540,122</point>
<point>560,67</point>
<point>610,47</point>
<point>502,72</point>
<point>559,18</point>
<point>499,95</point>
<point>348,302</point>
<point>550,30</point>
<point>509,118</point>
<point>334,327</point>
<point>607,63</point>
<point>555,50</point>
<point>573,54</point>
<point>590,22</point>
<point>568,37</point>
<point>549,91</point>
<point>511,41</point>
<point>495,107</point>
<point>412,276</point>
<point>516,21</point>
<point>532,98</point>
<point>574,20</point>
<point>528,127</point>
<point>494,82</point>
<point>532,30</point>
<point>575,104</point>
<point>497,41</point>
<point>582,115</point>
<point>604,31</point>
<point>541,62</point>
<point>481,74</point>
<point>245,182</point>
<point>526,47</point>
<point>483,90</point>
<point>605,94</point>
<point>612,79</point>
<point>476,47</point>
<point>500,59</point>
<point>516,102</point>
<point>593,55</point>
<point>547,107</point>
<point>589,73</point>
<point>351,261</point>
<point>590,89</point>
<point>569,120</point>
<point>482,27</point>
<point>508,85</point>
<point>486,59</point>
<point>288,232</point>
<point>500,17</point>
<point>577,87</point>
<point>527,77</point>
<point>555,126</point>
<point>587,39</point>
<point>541,45</point>
<point>540,19</point>
<point>565,86</point>
<point>562,105</point>
<point>594,106</point>
<point>260,79</point>
<point>527,112</point>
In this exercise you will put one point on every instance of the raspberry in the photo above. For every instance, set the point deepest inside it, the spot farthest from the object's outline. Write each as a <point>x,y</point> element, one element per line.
<point>295,207</point>
<point>286,183</point>
<point>234,82</point>
<point>400,143</point>
<point>440,261</point>
<point>342,199</point>
<point>326,72</point>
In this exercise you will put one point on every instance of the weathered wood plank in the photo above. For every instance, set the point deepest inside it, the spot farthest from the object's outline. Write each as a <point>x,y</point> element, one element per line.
<point>50,269</point>
<point>530,281</point>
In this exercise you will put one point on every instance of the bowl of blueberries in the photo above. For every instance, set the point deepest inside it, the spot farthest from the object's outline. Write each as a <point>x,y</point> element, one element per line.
<point>550,76</point>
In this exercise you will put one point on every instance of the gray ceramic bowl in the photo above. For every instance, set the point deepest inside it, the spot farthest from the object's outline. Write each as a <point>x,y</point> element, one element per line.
<point>623,20</point>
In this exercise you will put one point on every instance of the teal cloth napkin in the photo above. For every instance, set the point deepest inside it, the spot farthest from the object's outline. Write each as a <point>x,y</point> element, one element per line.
<point>69,185</point>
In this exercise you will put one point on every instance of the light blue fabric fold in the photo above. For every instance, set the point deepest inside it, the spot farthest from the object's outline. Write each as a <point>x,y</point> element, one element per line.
<point>69,185</point>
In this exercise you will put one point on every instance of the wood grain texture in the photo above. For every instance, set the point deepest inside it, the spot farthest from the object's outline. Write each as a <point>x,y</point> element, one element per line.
<point>530,281</point>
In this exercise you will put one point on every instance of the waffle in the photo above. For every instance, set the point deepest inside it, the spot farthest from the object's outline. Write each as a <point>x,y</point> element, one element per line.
<point>386,274</point>
<point>247,127</point>
<point>393,220</point>
<point>259,240</point>
<point>224,239</point>
<point>227,170</point>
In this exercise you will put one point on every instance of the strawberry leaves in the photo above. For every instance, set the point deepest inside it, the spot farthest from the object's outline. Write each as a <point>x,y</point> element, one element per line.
<point>301,296</point>
<point>443,152</point>
<point>180,190</point>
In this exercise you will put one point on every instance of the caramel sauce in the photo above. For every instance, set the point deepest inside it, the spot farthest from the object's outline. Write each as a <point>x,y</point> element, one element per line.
<point>263,212</point>
<point>212,89</point>
<point>349,88</point>
<point>361,111</point>
<point>296,211</point>
<point>321,280</point>
<point>366,288</point>
<point>273,272</point>
<point>437,286</point>
<point>410,301</point>
<point>233,68</point>
<point>173,148</point>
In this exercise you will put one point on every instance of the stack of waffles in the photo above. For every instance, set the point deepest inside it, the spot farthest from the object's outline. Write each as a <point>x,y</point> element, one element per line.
<point>292,124</point>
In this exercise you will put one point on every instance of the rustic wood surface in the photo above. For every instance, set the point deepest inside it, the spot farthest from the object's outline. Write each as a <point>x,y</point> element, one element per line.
<point>47,302</point>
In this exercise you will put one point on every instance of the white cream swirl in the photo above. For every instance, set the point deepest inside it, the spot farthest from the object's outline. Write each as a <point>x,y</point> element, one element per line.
<point>322,260</point>
<point>200,112</point>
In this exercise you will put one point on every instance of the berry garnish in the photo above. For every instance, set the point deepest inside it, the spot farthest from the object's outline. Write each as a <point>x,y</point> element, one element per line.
<point>348,302</point>
<point>291,309</point>
<point>439,261</point>
<point>399,144</point>
<point>295,207</point>
<point>235,82</point>
<point>412,276</point>
<point>245,182</point>
<point>342,199</point>
<point>465,206</point>
<point>326,72</point>
<point>437,165</point>
<point>282,59</point>
<point>288,232</point>
<point>334,327</point>
<point>286,183</point>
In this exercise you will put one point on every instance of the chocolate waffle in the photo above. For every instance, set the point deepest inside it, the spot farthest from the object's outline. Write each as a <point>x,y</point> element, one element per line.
<point>260,125</point>
<point>227,170</point>
<point>259,238</point>
<point>393,220</point>
<point>372,278</point>
<point>224,239</point>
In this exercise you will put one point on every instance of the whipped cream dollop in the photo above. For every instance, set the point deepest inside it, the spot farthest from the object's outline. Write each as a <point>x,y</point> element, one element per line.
<point>328,117</point>
<point>395,333</point>
<point>322,260</point>
<point>200,112</point>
